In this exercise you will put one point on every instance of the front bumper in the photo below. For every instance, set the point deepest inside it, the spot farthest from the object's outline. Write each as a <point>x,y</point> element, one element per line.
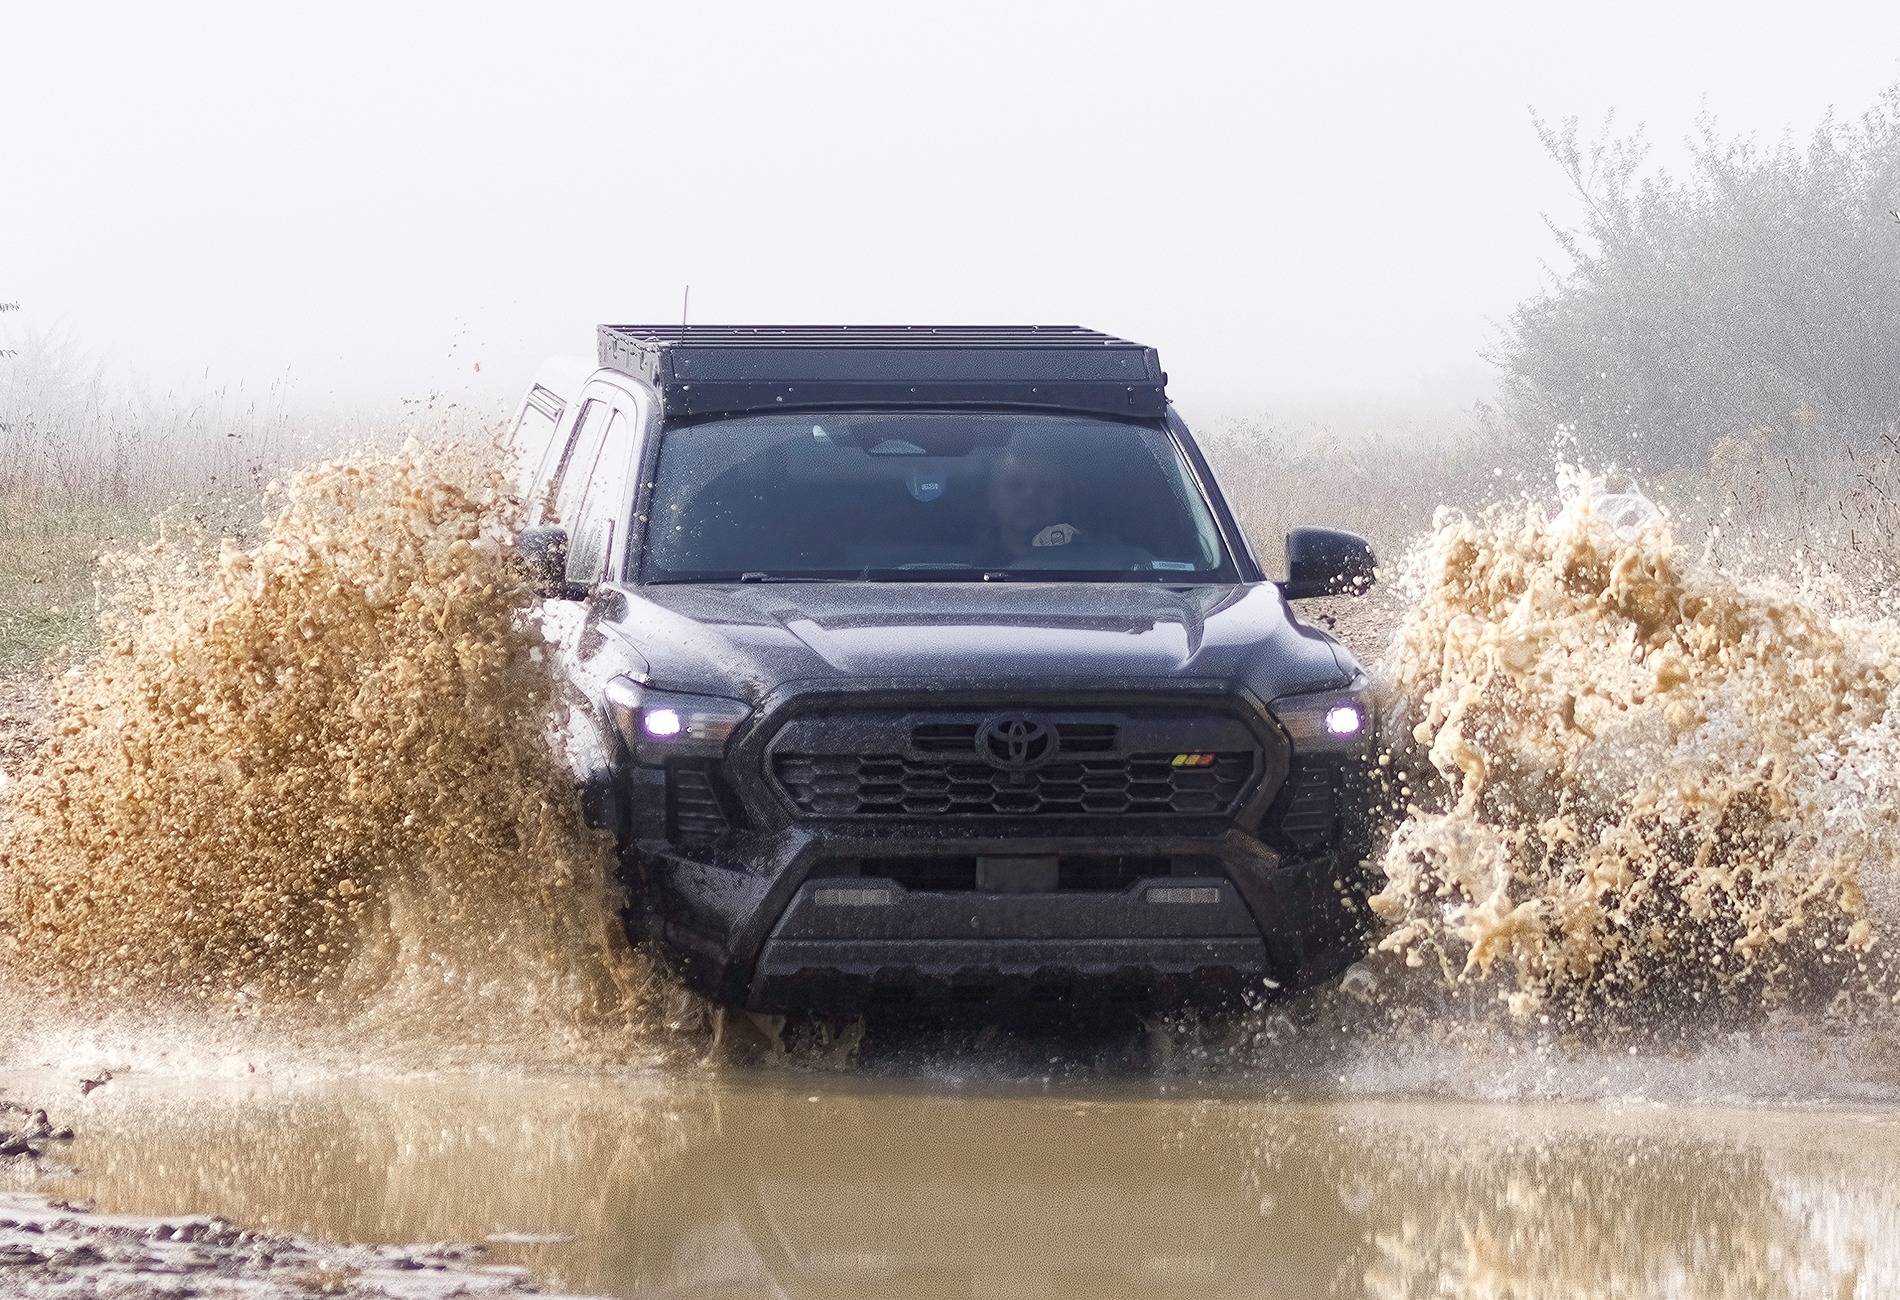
<point>780,934</point>
<point>843,945</point>
<point>771,912</point>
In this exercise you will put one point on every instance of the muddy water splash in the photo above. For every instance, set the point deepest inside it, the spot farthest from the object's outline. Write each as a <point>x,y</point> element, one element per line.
<point>1647,780</point>
<point>308,782</point>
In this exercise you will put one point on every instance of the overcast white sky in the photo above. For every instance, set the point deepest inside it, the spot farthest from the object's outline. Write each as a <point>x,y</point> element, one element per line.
<point>1314,211</point>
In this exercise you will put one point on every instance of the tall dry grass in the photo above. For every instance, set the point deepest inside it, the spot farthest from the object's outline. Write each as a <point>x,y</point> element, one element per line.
<point>1385,488</point>
<point>1833,505</point>
<point>87,467</point>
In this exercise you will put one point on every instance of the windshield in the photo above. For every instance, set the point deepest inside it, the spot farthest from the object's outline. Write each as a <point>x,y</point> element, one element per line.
<point>921,495</point>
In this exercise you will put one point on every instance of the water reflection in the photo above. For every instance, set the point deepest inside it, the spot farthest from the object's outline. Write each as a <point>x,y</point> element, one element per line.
<point>795,1186</point>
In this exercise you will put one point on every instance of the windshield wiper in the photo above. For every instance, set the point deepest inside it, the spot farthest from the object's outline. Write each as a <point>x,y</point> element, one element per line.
<point>938,573</point>
<point>759,575</point>
<point>929,573</point>
<point>902,573</point>
<point>931,570</point>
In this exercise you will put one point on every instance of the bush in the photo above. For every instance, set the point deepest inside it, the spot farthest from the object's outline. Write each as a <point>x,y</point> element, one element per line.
<point>1756,296</point>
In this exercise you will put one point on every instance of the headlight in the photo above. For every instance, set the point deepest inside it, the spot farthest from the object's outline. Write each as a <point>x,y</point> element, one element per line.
<point>1328,722</point>
<point>658,724</point>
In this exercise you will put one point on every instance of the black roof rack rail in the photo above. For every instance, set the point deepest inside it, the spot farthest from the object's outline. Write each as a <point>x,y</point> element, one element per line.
<point>727,369</point>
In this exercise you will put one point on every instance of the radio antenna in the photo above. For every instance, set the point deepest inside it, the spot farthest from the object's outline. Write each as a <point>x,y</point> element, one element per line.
<point>686,300</point>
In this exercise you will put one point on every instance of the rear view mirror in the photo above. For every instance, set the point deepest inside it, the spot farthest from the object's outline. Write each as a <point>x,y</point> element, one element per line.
<point>1327,562</point>
<point>543,554</point>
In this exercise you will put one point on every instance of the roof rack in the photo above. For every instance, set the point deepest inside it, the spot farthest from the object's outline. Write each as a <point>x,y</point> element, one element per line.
<point>727,369</point>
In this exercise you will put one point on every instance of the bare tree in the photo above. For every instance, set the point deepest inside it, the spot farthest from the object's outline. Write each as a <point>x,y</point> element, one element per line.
<point>1756,295</point>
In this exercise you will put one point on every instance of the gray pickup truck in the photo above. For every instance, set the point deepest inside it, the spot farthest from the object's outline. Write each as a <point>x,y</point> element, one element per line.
<point>924,665</point>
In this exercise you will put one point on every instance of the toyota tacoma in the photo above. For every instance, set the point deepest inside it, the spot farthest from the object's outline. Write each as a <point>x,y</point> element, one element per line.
<point>929,664</point>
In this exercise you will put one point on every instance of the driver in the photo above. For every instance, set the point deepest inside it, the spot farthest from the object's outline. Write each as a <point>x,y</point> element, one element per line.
<point>1027,503</point>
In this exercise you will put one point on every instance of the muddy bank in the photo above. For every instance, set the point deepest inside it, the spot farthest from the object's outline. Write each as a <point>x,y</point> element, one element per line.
<point>60,1248</point>
<point>55,1249</point>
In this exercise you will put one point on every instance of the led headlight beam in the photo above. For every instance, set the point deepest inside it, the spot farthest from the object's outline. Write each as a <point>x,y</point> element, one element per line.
<point>656,723</point>
<point>1327,721</point>
<point>661,724</point>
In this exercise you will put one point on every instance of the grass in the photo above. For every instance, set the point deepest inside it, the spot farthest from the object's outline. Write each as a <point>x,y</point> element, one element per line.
<point>85,470</point>
<point>50,544</point>
<point>47,548</point>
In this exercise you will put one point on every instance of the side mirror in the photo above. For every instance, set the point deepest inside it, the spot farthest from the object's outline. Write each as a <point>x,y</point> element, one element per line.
<point>1327,562</point>
<point>543,553</point>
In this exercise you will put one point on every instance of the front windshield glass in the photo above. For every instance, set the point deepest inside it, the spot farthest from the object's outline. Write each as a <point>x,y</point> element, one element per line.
<point>921,495</point>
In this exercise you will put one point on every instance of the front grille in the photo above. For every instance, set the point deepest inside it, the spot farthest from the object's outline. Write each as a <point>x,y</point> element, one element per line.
<point>694,812</point>
<point>960,737</point>
<point>1307,807</point>
<point>1023,761</point>
<point>892,785</point>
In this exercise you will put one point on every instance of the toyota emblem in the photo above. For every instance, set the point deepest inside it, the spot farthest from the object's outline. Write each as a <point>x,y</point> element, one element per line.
<point>1016,744</point>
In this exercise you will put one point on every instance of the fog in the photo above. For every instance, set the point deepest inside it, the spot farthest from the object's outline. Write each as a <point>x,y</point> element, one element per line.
<point>1318,216</point>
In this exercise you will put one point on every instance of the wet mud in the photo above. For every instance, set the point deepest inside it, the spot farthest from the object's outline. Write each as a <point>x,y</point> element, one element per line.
<point>53,1249</point>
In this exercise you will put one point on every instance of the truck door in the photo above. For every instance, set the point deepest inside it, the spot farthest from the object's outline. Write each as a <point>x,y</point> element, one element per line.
<point>597,508</point>
<point>594,503</point>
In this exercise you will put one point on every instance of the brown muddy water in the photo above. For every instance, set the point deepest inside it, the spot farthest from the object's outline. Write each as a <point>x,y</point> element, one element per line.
<point>775,1184</point>
<point>296,855</point>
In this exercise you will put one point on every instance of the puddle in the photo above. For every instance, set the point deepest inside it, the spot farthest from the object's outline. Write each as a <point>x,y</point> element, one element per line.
<point>786,1184</point>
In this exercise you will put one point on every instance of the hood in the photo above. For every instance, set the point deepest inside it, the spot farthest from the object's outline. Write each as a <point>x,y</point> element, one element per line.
<point>748,640</point>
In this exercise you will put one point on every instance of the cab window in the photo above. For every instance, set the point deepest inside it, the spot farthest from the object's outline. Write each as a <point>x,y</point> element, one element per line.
<point>534,433</point>
<point>603,508</point>
<point>560,500</point>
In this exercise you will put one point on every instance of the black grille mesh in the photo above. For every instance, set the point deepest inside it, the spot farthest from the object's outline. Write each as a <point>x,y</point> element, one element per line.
<point>862,785</point>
